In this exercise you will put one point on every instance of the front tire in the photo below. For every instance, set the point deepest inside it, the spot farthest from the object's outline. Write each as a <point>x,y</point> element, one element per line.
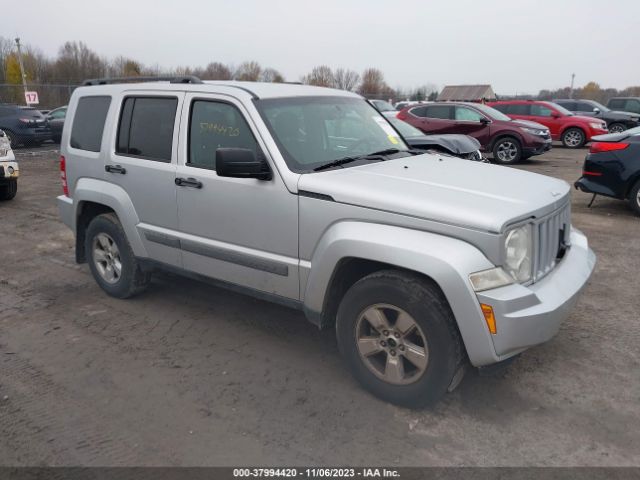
<point>617,128</point>
<point>9,191</point>
<point>398,337</point>
<point>507,151</point>
<point>634,198</point>
<point>573,138</point>
<point>111,260</point>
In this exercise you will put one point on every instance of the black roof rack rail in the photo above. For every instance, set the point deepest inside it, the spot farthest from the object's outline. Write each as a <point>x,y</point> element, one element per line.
<point>168,78</point>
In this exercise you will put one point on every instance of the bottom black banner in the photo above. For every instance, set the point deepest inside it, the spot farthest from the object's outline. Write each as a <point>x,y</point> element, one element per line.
<point>405,473</point>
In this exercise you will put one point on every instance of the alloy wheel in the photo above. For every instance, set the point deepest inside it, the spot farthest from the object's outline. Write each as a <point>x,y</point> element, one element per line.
<point>391,344</point>
<point>573,138</point>
<point>106,257</point>
<point>507,151</point>
<point>616,129</point>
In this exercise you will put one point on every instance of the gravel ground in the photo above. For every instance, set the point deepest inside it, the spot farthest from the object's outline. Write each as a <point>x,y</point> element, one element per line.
<point>188,374</point>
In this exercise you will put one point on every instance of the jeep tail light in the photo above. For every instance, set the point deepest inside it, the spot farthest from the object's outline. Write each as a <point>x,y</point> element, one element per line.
<point>63,175</point>
<point>600,147</point>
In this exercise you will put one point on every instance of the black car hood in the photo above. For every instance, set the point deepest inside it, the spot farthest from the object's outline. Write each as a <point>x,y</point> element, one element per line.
<point>618,115</point>
<point>458,144</point>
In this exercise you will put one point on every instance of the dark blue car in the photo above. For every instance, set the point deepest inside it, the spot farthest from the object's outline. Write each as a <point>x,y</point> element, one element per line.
<point>24,125</point>
<point>612,167</point>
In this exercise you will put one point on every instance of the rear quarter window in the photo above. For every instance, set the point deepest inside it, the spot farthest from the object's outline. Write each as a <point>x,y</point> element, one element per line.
<point>88,123</point>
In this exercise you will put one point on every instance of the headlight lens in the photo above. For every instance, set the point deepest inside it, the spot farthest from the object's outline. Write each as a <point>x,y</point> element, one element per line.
<point>518,253</point>
<point>597,125</point>
<point>534,131</point>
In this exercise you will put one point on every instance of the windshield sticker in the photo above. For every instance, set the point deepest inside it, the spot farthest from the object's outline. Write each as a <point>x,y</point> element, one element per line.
<point>388,129</point>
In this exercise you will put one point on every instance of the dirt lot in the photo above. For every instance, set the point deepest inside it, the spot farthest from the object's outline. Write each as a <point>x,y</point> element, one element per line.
<point>188,374</point>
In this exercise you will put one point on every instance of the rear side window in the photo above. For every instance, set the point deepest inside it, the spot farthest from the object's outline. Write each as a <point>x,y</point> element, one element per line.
<point>146,127</point>
<point>88,123</point>
<point>216,125</point>
<point>439,111</point>
<point>419,112</point>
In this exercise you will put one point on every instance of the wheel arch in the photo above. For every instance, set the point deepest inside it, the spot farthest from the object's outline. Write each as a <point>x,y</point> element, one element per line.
<point>351,250</point>
<point>93,197</point>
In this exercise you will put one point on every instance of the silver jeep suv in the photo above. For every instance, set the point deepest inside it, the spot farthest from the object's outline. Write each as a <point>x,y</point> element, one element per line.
<point>308,197</point>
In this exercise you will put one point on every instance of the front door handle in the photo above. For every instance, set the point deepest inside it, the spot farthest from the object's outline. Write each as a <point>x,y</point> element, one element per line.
<point>188,182</point>
<point>115,169</point>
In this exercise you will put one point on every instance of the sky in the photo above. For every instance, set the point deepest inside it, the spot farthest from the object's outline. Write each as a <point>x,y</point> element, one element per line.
<point>517,46</point>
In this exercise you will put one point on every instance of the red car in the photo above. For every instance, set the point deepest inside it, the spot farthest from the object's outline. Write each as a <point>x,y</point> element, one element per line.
<point>572,130</point>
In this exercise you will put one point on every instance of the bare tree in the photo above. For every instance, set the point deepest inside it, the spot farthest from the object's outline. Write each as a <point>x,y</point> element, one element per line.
<point>216,71</point>
<point>248,72</point>
<point>321,76</point>
<point>373,82</point>
<point>77,62</point>
<point>271,75</point>
<point>345,79</point>
<point>125,67</point>
<point>6,49</point>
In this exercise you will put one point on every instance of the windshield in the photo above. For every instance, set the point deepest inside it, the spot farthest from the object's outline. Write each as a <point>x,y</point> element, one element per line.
<point>383,106</point>
<point>313,131</point>
<point>406,130</point>
<point>492,112</point>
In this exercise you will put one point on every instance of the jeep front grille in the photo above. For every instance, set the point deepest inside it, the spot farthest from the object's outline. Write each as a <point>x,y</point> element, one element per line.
<point>551,236</point>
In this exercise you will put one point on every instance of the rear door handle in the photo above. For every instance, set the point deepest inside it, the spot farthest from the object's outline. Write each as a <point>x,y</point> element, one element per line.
<point>188,182</point>
<point>115,169</point>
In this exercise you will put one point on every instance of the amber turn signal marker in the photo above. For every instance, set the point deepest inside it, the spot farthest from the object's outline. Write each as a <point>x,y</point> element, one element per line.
<point>487,311</point>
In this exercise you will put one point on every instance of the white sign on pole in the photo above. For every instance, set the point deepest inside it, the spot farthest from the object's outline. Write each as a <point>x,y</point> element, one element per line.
<point>31,98</point>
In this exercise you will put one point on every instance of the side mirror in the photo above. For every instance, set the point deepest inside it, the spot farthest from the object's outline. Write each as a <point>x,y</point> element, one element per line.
<point>555,115</point>
<point>596,110</point>
<point>484,121</point>
<point>241,163</point>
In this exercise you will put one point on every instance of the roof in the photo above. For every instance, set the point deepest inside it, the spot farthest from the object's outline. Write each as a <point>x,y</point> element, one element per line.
<point>466,93</point>
<point>247,89</point>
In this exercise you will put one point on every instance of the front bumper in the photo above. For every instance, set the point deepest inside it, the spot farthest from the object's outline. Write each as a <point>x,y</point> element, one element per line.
<point>537,147</point>
<point>9,170</point>
<point>528,316</point>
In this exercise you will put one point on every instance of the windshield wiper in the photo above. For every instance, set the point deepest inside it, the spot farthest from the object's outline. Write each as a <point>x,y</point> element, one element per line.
<point>369,156</point>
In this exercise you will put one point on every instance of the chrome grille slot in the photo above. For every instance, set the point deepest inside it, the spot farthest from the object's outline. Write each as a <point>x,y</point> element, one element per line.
<point>548,235</point>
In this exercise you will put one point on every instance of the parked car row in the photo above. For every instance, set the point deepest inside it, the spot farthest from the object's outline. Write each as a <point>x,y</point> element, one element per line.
<point>508,140</point>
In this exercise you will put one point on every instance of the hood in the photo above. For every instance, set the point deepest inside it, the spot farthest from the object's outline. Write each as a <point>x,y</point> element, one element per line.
<point>530,124</point>
<point>582,118</point>
<point>444,189</point>
<point>454,143</point>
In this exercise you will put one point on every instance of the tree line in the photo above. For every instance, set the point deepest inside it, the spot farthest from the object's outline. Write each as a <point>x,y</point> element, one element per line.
<point>57,77</point>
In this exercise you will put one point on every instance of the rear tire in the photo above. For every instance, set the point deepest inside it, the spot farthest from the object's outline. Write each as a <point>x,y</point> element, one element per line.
<point>634,198</point>
<point>111,259</point>
<point>8,191</point>
<point>411,356</point>
<point>507,151</point>
<point>617,128</point>
<point>573,138</point>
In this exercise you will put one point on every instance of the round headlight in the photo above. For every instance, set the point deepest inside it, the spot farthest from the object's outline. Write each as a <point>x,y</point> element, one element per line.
<point>517,247</point>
